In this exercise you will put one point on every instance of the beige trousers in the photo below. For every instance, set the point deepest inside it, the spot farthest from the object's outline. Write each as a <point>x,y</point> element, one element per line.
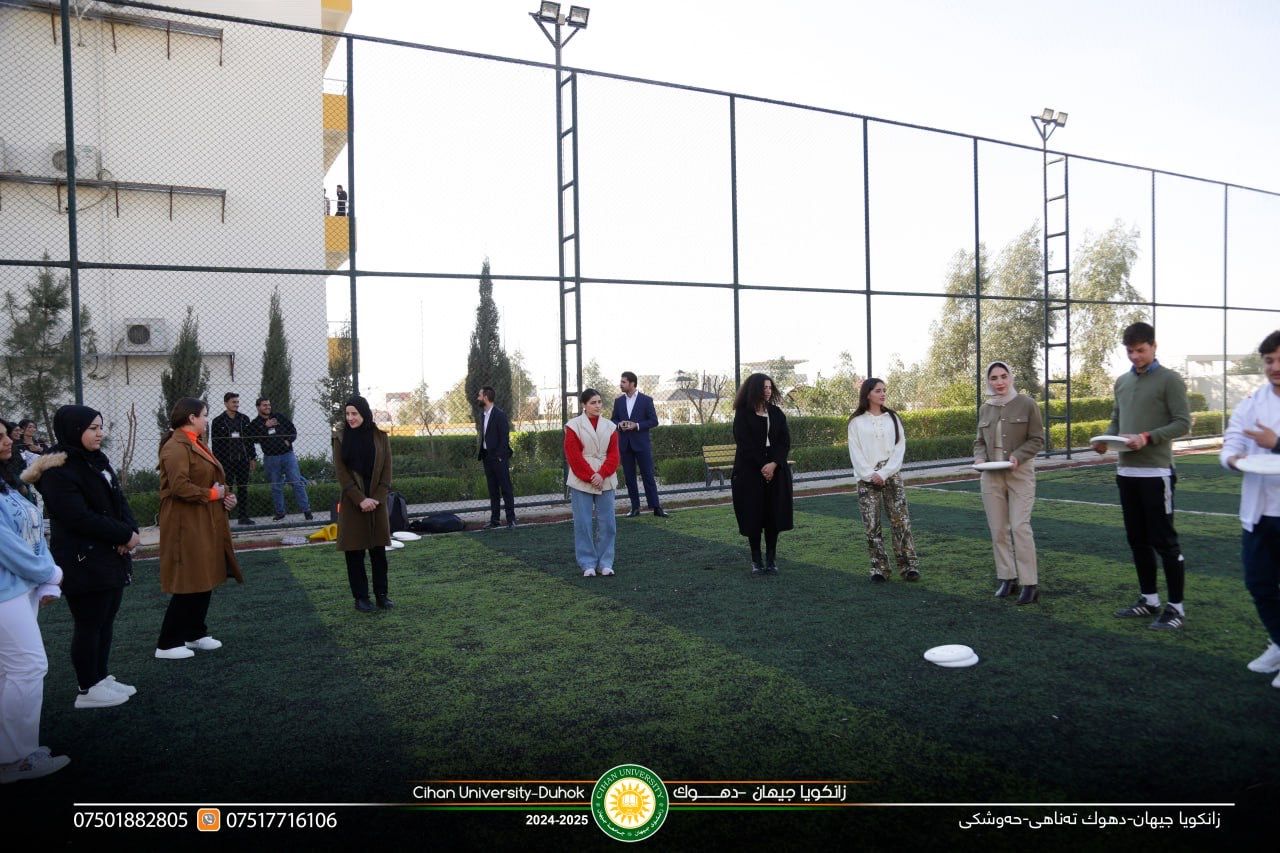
<point>1008,497</point>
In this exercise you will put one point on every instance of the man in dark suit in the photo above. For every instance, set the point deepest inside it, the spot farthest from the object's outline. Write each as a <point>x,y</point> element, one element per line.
<point>635,414</point>
<point>495,453</point>
<point>233,445</point>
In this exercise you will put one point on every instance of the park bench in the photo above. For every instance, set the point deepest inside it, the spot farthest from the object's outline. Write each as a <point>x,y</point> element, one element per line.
<point>718,461</point>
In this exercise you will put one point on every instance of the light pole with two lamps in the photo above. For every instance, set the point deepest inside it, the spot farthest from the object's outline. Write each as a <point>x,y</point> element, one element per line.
<point>553,24</point>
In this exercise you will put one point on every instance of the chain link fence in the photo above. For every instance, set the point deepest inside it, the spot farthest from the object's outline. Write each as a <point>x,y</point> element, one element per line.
<point>265,209</point>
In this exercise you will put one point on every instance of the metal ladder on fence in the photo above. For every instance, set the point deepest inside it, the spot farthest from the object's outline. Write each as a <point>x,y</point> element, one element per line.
<point>570,245</point>
<point>1056,256</point>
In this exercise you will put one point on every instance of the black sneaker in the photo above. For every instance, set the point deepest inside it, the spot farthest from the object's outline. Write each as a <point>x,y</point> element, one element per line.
<point>1138,608</point>
<point>247,520</point>
<point>912,575</point>
<point>876,577</point>
<point>308,516</point>
<point>771,569</point>
<point>1169,620</point>
<point>756,568</point>
<point>278,516</point>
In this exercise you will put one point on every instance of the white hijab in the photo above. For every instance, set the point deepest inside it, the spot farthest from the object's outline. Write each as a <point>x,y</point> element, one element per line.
<point>1000,399</point>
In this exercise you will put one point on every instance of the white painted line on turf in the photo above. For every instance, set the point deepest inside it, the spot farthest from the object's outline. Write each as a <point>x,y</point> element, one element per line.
<point>1080,503</point>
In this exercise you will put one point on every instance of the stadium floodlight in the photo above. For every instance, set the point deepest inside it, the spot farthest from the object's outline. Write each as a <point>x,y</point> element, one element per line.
<point>1061,120</point>
<point>1047,115</point>
<point>578,17</point>
<point>549,12</point>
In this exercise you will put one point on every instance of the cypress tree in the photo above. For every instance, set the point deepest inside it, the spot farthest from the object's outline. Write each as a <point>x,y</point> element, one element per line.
<point>277,368</point>
<point>187,375</point>
<point>487,362</point>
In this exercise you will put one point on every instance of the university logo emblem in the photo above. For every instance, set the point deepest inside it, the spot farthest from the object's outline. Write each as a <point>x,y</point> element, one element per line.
<point>629,802</point>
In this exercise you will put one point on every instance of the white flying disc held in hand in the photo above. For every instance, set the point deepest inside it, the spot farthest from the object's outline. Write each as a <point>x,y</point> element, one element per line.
<point>1260,463</point>
<point>948,655</point>
<point>1109,439</point>
<point>992,466</point>
<point>405,536</point>
<point>396,544</point>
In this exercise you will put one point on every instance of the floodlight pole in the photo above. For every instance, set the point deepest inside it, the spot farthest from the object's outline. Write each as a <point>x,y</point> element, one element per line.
<point>1045,125</point>
<point>568,284</point>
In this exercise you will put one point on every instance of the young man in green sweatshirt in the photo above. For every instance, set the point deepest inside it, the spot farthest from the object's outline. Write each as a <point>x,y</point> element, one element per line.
<point>1150,411</point>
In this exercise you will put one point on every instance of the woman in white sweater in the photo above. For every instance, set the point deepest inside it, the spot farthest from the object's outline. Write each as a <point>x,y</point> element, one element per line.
<point>877,444</point>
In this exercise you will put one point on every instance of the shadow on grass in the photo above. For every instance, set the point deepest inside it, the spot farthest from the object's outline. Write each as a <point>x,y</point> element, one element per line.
<point>1054,701</point>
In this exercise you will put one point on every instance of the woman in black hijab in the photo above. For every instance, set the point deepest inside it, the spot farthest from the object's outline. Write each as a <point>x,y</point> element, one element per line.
<point>93,535</point>
<point>362,463</point>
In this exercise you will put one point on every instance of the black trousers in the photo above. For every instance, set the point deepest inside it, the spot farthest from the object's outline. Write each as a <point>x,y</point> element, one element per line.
<point>356,576</point>
<point>184,619</point>
<point>238,476</point>
<point>94,615</point>
<point>498,476</point>
<point>1147,505</point>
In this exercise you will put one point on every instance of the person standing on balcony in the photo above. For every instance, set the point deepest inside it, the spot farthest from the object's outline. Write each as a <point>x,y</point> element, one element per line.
<point>877,447</point>
<point>234,448</point>
<point>1149,412</point>
<point>1011,430</point>
<point>634,414</point>
<point>276,433</point>
<point>342,201</point>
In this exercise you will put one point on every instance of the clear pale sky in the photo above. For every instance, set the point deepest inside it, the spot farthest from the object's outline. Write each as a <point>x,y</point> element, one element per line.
<point>1181,86</point>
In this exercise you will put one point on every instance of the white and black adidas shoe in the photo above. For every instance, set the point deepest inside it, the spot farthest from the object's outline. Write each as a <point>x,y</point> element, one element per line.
<point>1169,620</point>
<point>1138,608</point>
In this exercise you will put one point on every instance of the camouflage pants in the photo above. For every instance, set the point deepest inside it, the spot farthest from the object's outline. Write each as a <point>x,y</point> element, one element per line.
<point>894,495</point>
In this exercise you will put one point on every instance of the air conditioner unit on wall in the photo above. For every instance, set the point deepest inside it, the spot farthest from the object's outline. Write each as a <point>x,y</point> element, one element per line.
<point>145,334</point>
<point>88,161</point>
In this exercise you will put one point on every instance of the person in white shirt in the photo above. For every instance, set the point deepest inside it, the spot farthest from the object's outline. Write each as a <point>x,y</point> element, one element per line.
<point>1252,431</point>
<point>877,444</point>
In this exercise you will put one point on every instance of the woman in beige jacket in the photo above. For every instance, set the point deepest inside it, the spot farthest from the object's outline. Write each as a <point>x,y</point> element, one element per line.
<point>1010,429</point>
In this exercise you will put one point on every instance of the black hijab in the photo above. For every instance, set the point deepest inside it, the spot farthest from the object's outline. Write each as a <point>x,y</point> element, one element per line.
<point>69,424</point>
<point>357,444</point>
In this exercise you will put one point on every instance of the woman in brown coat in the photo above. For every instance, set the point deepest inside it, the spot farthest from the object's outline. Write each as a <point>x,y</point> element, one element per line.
<point>362,463</point>
<point>195,537</point>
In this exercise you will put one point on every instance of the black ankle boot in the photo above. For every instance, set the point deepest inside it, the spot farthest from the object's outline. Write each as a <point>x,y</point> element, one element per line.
<point>384,602</point>
<point>1006,588</point>
<point>1030,595</point>
<point>363,605</point>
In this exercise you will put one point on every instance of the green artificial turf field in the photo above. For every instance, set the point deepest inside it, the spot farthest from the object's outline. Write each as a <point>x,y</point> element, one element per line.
<point>501,662</point>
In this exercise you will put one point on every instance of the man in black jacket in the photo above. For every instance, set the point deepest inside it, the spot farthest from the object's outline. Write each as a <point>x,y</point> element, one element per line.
<point>233,445</point>
<point>495,453</point>
<point>276,433</point>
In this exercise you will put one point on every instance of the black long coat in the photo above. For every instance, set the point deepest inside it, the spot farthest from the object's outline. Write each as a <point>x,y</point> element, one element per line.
<point>755,500</point>
<point>88,518</point>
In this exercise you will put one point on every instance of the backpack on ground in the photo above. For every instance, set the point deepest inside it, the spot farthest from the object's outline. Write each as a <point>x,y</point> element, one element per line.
<point>441,522</point>
<point>397,512</point>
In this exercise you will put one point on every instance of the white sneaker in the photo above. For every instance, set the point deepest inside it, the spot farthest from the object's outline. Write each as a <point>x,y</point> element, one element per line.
<point>205,644</point>
<point>35,765</point>
<point>588,573</point>
<point>119,686</point>
<point>1268,661</point>
<point>176,653</point>
<point>100,695</point>
<point>606,571</point>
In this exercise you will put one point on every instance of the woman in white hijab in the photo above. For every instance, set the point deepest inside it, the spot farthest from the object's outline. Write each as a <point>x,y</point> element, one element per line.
<point>1010,430</point>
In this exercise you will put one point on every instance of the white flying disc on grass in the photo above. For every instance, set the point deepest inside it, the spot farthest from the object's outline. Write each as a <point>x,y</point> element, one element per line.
<point>405,536</point>
<point>1110,439</point>
<point>396,543</point>
<point>1260,463</point>
<point>992,466</point>
<point>951,656</point>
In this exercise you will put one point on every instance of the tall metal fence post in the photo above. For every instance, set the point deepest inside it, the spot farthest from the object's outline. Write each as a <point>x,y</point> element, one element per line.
<point>73,236</point>
<point>977,283</point>
<point>733,208</point>
<point>866,233</point>
<point>351,212</point>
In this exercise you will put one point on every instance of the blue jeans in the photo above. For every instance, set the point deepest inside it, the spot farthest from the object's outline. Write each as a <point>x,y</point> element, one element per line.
<point>279,469</point>
<point>1261,557</point>
<point>594,549</point>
